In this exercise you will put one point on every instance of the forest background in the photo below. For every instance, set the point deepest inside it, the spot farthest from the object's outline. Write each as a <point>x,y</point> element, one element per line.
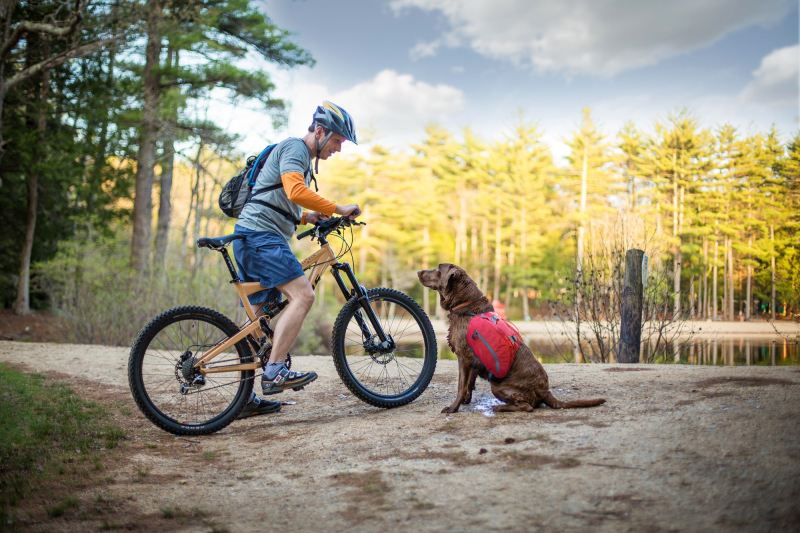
<point>110,172</point>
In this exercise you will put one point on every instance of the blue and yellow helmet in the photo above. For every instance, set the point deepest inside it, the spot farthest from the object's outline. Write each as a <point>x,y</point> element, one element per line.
<point>332,117</point>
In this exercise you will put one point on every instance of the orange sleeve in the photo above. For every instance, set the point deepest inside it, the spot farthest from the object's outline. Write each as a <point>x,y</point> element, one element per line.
<point>299,193</point>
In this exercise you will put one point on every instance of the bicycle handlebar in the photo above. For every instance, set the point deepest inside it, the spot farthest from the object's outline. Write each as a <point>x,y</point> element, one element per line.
<point>324,228</point>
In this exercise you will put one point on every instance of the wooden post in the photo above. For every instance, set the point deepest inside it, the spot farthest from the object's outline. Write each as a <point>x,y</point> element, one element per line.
<point>632,296</point>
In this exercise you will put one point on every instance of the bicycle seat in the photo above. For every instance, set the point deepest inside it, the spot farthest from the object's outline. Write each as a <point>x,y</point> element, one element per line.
<point>218,243</point>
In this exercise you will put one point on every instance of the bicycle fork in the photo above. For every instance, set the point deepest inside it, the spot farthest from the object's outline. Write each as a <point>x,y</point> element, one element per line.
<point>358,291</point>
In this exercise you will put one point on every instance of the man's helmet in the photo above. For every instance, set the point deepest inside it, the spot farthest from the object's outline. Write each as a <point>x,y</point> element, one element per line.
<point>336,120</point>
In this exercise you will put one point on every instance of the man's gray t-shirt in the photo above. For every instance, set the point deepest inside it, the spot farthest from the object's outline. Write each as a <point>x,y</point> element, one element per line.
<point>290,155</point>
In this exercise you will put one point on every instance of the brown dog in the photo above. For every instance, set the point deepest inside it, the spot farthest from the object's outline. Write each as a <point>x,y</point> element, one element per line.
<point>525,386</point>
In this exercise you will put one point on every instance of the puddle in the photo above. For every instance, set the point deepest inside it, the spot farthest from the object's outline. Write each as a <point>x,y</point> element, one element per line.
<point>484,404</point>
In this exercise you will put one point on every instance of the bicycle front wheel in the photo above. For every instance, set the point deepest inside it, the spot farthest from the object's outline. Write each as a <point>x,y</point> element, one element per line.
<point>167,387</point>
<point>379,377</point>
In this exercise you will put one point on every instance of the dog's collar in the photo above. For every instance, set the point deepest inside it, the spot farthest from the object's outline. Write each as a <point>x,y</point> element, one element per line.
<point>463,305</point>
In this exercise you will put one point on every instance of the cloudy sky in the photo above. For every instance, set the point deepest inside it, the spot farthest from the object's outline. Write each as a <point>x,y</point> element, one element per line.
<point>397,65</point>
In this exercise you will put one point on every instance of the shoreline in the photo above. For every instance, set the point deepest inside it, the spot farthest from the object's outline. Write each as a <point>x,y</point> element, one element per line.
<point>702,329</point>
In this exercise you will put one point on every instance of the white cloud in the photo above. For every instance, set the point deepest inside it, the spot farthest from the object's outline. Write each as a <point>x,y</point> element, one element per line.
<point>396,103</point>
<point>598,37</point>
<point>775,81</point>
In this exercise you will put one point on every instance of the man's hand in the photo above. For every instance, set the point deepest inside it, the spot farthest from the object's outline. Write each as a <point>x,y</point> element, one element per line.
<point>348,210</point>
<point>313,217</point>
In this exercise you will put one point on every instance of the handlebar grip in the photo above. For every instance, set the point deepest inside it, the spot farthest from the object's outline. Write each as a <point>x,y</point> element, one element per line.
<point>306,234</point>
<point>355,213</point>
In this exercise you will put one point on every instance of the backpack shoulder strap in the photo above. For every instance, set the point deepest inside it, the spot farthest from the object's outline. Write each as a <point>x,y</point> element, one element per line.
<point>262,157</point>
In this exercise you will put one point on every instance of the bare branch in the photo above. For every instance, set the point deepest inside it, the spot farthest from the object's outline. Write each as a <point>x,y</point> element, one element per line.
<point>57,60</point>
<point>38,27</point>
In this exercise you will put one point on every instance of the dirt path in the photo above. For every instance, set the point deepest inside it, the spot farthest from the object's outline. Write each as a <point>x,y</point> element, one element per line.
<point>676,448</point>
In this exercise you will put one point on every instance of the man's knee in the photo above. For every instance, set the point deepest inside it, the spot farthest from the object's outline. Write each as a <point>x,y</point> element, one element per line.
<point>304,298</point>
<point>308,297</point>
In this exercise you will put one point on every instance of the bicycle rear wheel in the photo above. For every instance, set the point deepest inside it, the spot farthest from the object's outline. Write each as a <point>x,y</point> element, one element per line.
<point>165,384</point>
<point>381,378</point>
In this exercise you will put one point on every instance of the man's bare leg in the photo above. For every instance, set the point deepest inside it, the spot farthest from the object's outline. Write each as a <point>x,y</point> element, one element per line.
<point>301,298</point>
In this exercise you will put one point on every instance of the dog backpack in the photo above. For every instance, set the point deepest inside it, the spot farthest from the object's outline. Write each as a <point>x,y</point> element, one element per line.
<point>495,342</point>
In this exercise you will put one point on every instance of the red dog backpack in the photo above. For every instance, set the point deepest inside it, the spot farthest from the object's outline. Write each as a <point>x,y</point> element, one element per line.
<point>495,341</point>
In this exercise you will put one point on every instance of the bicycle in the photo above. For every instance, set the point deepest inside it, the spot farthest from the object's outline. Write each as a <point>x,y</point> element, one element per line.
<point>191,369</point>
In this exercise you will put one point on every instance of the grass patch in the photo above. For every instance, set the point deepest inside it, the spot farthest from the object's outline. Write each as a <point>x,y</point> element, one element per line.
<point>48,435</point>
<point>209,455</point>
<point>526,461</point>
<point>61,507</point>
<point>568,462</point>
<point>367,492</point>
<point>170,512</point>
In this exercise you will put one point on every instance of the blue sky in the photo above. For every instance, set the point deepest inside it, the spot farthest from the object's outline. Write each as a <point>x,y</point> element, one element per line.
<point>397,65</point>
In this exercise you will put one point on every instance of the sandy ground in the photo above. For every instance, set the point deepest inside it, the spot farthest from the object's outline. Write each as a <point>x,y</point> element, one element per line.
<point>676,448</point>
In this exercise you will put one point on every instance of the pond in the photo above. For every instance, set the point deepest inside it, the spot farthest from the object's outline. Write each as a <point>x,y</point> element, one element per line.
<point>745,351</point>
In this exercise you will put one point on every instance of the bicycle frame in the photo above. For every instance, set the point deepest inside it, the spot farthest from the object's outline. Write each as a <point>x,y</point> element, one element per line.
<point>318,263</point>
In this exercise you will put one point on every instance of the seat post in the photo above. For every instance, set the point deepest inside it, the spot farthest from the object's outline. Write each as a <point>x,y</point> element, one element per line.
<point>234,276</point>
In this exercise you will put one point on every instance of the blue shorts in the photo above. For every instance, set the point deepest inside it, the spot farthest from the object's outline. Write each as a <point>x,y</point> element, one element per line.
<point>265,257</point>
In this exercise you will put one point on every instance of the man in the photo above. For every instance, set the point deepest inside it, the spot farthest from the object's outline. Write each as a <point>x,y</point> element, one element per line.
<point>269,220</point>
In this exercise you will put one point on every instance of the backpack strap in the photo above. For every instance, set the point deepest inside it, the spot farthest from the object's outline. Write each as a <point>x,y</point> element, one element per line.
<point>287,215</point>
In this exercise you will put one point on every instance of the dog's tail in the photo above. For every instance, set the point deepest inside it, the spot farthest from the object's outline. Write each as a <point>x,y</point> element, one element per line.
<point>555,403</point>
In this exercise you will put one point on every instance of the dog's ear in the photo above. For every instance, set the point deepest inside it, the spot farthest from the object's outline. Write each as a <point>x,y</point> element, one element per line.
<point>450,276</point>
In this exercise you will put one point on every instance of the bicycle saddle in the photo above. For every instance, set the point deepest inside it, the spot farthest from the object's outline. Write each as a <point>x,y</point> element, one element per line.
<point>218,243</point>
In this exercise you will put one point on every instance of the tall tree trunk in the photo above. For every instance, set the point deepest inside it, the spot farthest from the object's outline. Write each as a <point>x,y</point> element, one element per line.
<point>749,301</point>
<point>509,277</point>
<point>704,283</point>
<point>22,306</point>
<point>772,301</point>
<point>146,161</point>
<point>716,276</point>
<point>725,298</point>
<point>485,255</point>
<point>692,299</point>
<point>676,257</point>
<point>742,295</point>
<point>498,256</point>
<point>192,200</point>
<point>426,242</point>
<point>363,242</point>
<point>164,204</point>
<point>584,193</point>
<point>526,315</point>
<point>461,228</point>
<point>731,293</point>
<point>475,258</point>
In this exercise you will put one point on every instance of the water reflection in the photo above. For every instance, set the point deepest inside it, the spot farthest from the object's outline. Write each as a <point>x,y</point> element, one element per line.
<point>743,351</point>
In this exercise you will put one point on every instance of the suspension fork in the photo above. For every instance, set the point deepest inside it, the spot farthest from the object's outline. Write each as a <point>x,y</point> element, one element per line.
<point>358,291</point>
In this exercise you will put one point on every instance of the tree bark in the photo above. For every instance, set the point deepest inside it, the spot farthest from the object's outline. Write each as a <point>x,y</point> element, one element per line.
<point>584,193</point>
<point>146,161</point>
<point>772,301</point>
<point>426,242</point>
<point>498,257</point>
<point>526,315</point>
<point>509,277</point>
<point>22,306</point>
<point>731,299</point>
<point>716,276</point>
<point>749,295</point>
<point>704,283</point>
<point>631,312</point>
<point>164,204</point>
<point>676,256</point>
<point>485,256</point>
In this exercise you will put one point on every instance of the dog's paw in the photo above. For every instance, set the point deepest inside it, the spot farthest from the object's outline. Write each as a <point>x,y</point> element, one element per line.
<point>450,409</point>
<point>467,400</point>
